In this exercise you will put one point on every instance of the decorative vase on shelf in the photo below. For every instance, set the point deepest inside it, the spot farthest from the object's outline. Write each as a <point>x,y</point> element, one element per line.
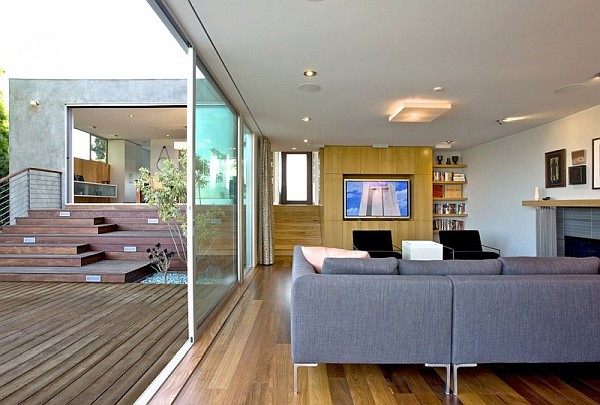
<point>440,159</point>
<point>455,159</point>
<point>536,194</point>
<point>448,161</point>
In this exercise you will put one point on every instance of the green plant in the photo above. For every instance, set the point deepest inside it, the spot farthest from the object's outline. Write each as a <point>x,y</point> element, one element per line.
<point>160,260</point>
<point>167,191</point>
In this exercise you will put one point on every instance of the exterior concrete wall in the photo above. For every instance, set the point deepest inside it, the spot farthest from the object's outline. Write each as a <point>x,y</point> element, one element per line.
<point>38,136</point>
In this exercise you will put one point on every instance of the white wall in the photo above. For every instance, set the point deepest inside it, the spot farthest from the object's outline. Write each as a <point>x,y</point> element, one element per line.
<point>125,159</point>
<point>156,148</point>
<point>503,173</point>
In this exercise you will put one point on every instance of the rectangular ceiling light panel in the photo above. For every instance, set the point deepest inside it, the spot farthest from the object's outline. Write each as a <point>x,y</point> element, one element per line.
<point>420,111</point>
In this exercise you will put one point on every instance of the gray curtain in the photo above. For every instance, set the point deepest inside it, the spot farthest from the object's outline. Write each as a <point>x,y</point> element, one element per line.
<point>266,250</point>
<point>545,218</point>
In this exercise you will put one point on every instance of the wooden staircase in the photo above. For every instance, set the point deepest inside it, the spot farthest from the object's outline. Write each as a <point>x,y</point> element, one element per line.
<point>296,225</point>
<point>93,243</point>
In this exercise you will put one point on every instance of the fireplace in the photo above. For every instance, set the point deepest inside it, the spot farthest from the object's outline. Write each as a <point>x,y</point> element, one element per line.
<point>581,247</point>
<point>580,223</point>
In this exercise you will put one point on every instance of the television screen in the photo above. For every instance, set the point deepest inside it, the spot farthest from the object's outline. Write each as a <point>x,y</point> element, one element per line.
<point>376,198</point>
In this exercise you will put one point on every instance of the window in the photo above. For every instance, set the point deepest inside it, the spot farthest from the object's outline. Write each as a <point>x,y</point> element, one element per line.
<point>89,147</point>
<point>296,178</point>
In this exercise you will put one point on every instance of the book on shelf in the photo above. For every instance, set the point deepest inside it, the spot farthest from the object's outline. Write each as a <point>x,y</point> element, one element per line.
<point>448,225</point>
<point>449,208</point>
<point>453,191</point>
<point>448,176</point>
<point>438,191</point>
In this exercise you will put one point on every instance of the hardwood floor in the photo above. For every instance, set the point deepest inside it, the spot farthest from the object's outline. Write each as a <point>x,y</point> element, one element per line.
<point>86,343</point>
<point>249,363</point>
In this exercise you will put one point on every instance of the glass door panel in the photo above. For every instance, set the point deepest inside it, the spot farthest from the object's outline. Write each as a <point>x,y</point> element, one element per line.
<point>215,198</point>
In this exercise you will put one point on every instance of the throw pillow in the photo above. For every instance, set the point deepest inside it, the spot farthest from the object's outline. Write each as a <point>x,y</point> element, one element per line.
<point>316,254</point>
<point>379,266</point>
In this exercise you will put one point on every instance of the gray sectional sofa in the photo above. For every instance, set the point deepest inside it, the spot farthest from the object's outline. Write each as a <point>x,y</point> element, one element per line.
<point>447,314</point>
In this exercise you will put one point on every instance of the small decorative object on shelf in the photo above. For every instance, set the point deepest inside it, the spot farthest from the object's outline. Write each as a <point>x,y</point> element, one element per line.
<point>440,159</point>
<point>455,159</point>
<point>448,161</point>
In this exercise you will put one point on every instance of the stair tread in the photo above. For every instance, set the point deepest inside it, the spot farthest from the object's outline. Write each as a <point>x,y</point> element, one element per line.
<point>49,256</point>
<point>43,244</point>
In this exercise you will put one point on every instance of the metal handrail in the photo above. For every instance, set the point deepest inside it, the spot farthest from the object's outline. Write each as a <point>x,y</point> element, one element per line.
<point>30,188</point>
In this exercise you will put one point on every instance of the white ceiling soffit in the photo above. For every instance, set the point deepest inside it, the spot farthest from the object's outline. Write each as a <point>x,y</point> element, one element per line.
<point>494,59</point>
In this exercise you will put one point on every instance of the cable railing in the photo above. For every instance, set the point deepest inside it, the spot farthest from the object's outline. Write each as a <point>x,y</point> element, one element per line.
<point>28,189</point>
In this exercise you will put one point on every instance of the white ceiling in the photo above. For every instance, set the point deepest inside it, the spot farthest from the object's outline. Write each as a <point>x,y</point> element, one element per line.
<point>495,59</point>
<point>146,124</point>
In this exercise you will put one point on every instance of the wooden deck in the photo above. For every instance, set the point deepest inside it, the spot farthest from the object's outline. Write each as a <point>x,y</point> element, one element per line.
<point>86,343</point>
<point>249,362</point>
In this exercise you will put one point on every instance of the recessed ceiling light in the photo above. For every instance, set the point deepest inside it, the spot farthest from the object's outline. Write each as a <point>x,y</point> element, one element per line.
<point>306,141</point>
<point>131,115</point>
<point>570,88</point>
<point>309,87</point>
<point>309,73</point>
<point>306,119</point>
<point>438,88</point>
<point>168,135</point>
<point>510,119</point>
<point>294,148</point>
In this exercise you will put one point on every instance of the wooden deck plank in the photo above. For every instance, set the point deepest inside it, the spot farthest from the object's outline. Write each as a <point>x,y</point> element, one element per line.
<point>89,381</point>
<point>85,338</point>
<point>91,325</point>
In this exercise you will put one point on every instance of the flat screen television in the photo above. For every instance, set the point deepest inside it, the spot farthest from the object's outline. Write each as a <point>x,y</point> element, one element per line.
<point>376,199</point>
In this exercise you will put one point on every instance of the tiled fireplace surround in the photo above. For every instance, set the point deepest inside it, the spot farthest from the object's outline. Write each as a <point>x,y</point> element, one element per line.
<point>583,222</point>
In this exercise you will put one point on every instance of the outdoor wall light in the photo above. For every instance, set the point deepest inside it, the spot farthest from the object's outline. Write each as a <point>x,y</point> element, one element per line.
<point>34,103</point>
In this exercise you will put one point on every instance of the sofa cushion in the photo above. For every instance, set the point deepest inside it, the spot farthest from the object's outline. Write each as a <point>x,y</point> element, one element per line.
<point>549,265</point>
<point>378,266</point>
<point>449,267</point>
<point>316,254</point>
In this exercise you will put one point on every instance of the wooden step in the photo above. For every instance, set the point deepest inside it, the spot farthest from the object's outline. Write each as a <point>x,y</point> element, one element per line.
<point>60,221</point>
<point>77,260</point>
<point>43,249</point>
<point>60,229</point>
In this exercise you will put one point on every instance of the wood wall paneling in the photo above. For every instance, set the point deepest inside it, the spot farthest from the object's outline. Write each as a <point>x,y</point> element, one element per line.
<point>423,160</point>
<point>414,162</point>
<point>332,196</point>
<point>351,160</point>
<point>369,160</point>
<point>405,160</point>
<point>332,159</point>
<point>94,172</point>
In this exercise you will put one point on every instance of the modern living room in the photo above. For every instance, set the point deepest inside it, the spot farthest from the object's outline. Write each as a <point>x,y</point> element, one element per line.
<point>516,97</point>
<point>507,95</point>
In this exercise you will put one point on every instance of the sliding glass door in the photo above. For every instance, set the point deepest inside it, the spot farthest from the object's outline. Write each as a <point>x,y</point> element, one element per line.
<point>214,252</point>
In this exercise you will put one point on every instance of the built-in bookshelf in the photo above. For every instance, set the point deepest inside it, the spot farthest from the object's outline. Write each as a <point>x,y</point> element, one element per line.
<point>449,203</point>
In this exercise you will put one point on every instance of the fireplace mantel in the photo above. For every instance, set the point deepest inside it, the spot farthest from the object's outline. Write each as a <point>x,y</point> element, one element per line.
<point>562,203</point>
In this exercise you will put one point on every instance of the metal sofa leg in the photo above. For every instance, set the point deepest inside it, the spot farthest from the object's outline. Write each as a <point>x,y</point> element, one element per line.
<point>455,375</point>
<point>447,367</point>
<point>296,366</point>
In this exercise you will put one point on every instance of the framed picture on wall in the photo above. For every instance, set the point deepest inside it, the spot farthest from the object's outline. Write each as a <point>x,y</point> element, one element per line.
<point>596,163</point>
<point>555,168</point>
